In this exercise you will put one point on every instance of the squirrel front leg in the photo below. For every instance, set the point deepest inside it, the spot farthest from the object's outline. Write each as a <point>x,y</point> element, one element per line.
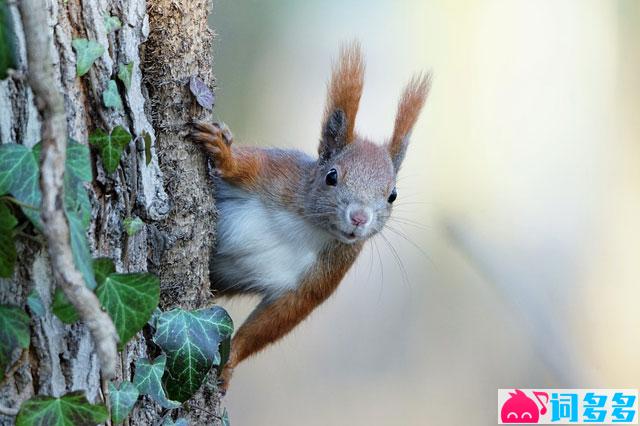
<point>271,320</point>
<point>240,166</point>
<point>275,317</point>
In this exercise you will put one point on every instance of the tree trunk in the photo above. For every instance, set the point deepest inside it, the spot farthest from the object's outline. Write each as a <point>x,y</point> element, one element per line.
<point>168,42</point>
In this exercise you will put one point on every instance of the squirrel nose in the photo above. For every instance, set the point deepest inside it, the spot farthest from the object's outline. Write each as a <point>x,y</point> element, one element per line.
<point>359,217</point>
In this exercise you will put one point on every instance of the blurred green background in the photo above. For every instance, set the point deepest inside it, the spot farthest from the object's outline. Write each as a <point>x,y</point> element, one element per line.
<point>518,216</point>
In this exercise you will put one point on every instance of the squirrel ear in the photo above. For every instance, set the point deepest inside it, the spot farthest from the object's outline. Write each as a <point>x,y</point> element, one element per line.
<point>343,99</point>
<point>334,134</point>
<point>411,102</point>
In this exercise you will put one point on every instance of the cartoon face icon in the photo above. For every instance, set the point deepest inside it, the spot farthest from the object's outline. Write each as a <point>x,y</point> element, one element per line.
<point>519,408</point>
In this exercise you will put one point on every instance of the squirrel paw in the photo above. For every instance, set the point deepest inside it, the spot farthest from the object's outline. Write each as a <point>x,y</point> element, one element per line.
<point>224,379</point>
<point>216,139</point>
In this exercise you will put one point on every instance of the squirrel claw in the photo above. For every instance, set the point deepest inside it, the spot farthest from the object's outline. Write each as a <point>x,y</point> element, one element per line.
<point>224,132</point>
<point>216,138</point>
<point>223,380</point>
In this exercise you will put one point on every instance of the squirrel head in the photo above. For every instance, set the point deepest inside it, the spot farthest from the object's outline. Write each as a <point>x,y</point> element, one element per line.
<point>352,187</point>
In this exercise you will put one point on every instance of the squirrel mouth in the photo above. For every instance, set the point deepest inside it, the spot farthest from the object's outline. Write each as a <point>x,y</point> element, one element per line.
<point>351,236</point>
<point>345,236</point>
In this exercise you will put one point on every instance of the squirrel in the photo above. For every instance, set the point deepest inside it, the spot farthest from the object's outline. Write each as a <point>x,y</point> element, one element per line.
<point>290,226</point>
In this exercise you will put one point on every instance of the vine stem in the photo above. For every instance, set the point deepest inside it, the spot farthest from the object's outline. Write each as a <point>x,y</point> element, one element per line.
<point>17,202</point>
<point>50,102</point>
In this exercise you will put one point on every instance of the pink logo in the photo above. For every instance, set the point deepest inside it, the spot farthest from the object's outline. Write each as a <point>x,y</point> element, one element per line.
<point>519,408</point>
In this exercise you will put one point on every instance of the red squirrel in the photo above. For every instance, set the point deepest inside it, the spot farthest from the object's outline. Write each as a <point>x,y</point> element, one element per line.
<point>290,226</point>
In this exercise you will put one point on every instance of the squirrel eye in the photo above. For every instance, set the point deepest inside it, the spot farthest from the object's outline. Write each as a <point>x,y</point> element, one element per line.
<point>332,177</point>
<point>393,196</point>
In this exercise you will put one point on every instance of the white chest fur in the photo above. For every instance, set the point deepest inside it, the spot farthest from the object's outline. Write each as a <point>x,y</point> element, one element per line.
<point>262,248</point>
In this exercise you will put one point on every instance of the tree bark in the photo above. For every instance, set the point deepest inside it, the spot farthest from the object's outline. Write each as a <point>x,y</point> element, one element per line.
<point>168,42</point>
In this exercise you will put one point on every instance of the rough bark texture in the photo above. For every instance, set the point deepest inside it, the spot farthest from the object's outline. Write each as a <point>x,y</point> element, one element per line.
<point>167,41</point>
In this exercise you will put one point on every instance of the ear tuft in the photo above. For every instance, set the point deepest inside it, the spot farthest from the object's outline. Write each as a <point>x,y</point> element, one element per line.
<point>343,98</point>
<point>411,102</point>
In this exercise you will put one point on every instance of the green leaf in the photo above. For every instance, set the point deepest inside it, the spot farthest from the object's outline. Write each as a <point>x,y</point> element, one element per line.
<point>77,170</point>
<point>8,56</point>
<point>19,176</point>
<point>112,23</point>
<point>120,136</point>
<point>76,200</point>
<point>148,380</point>
<point>122,400</point>
<point>80,248</point>
<point>35,304</point>
<point>111,97</point>
<point>225,351</point>
<point>225,418</point>
<point>125,71</point>
<point>63,309</point>
<point>8,253</point>
<point>78,163</point>
<point>153,321</point>
<point>14,333</point>
<point>190,339</point>
<point>147,147</point>
<point>133,225</point>
<point>87,51</point>
<point>110,146</point>
<point>130,300</point>
<point>179,422</point>
<point>72,409</point>
<point>102,267</point>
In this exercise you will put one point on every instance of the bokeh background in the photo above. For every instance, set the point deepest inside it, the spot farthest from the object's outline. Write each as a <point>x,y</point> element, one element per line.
<point>514,258</point>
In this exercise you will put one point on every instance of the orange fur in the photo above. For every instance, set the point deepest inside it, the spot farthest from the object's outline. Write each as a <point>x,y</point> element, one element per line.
<point>411,102</point>
<point>274,319</point>
<point>238,166</point>
<point>345,88</point>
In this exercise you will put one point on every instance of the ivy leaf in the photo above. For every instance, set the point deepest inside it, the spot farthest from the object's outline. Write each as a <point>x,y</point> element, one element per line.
<point>8,57</point>
<point>147,147</point>
<point>111,97</point>
<point>14,333</point>
<point>225,351</point>
<point>8,253</point>
<point>19,176</point>
<point>87,51</point>
<point>133,225</point>
<point>148,380</point>
<point>120,136</point>
<point>122,400</point>
<point>102,267</point>
<point>78,162</point>
<point>179,422</point>
<point>63,309</point>
<point>110,146</point>
<point>125,71</point>
<point>204,95</point>
<point>71,409</point>
<point>225,418</point>
<point>76,200</point>
<point>80,248</point>
<point>153,321</point>
<point>77,170</point>
<point>112,23</point>
<point>190,339</point>
<point>130,300</point>
<point>35,304</point>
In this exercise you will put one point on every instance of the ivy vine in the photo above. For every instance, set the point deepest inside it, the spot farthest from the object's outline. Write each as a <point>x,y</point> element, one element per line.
<point>191,343</point>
